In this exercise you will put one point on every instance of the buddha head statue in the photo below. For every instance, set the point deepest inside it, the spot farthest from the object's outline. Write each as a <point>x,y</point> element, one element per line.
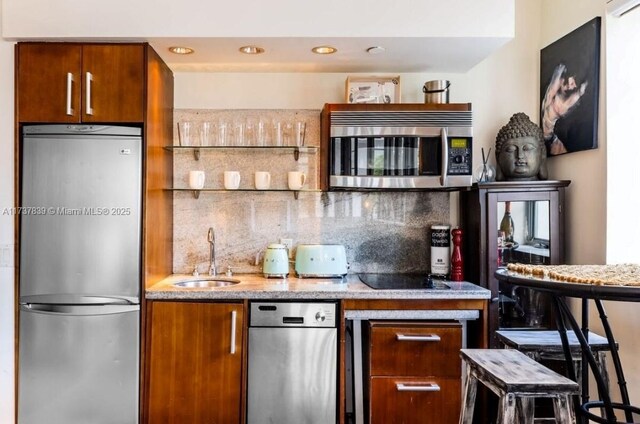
<point>520,151</point>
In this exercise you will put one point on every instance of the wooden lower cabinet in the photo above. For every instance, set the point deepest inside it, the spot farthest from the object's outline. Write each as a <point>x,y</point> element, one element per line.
<point>194,362</point>
<point>424,400</point>
<point>414,372</point>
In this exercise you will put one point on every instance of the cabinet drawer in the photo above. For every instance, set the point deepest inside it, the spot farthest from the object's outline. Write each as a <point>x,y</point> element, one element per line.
<point>415,400</point>
<point>415,349</point>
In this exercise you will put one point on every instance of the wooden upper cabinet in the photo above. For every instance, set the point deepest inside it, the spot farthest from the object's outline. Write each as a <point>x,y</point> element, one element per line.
<point>113,83</point>
<point>68,82</point>
<point>48,82</point>
<point>194,362</point>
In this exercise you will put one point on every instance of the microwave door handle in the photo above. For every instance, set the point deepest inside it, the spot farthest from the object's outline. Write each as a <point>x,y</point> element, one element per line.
<point>445,157</point>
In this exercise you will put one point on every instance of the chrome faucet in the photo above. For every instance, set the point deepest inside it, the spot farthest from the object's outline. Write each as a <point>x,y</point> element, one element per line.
<point>211,237</point>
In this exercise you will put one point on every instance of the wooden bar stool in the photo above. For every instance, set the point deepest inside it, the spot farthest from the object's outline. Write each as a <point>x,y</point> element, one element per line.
<point>517,380</point>
<point>546,345</point>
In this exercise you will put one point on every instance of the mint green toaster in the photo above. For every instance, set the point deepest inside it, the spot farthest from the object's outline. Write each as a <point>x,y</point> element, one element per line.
<point>321,261</point>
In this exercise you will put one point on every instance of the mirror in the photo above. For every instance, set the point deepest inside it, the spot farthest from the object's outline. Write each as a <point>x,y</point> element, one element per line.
<point>523,232</point>
<point>524,237</point>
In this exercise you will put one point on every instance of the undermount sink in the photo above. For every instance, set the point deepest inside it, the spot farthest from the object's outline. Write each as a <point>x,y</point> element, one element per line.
<point>206,283</point>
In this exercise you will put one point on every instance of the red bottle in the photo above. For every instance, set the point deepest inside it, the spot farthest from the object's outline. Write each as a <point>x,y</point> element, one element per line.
<point>457,263</point>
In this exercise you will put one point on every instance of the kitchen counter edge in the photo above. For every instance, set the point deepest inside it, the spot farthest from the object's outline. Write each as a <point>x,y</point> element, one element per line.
<point>253,286</point>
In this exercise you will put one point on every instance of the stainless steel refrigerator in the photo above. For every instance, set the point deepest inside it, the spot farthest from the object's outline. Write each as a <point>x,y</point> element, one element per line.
<point>79,295</point>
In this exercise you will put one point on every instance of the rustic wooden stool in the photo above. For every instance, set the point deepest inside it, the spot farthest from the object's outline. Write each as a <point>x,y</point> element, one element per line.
<point>517,380</point>
<point>546,345</point>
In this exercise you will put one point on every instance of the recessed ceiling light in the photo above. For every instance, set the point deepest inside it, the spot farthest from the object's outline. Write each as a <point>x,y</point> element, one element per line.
<point>375,50</point>
<point>324,50</point>
<point>181,50</point>
<point>251,50</point>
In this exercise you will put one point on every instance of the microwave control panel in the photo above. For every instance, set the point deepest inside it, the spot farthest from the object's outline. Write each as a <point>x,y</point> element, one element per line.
<point>460,156</point>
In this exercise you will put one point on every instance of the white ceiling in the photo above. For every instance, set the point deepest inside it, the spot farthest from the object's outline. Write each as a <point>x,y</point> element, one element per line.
<point>418,35</point>
<point>288,54</point>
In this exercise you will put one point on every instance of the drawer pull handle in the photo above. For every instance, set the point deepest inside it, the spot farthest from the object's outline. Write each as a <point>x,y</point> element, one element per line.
<point>427,338</point>
<point>431,387</point>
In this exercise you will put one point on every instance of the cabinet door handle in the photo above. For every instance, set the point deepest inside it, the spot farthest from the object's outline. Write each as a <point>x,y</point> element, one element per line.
<point>425,338</point>
<point>430,387</point>
<point>69,93</point>
<point>233,332</point>
<point>89,110</point>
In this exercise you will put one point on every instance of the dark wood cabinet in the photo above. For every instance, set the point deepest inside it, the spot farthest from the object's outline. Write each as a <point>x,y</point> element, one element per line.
<point>194,362</point>
<point>80,83</point>
<point>537,212</point>
<point>414,372</point>
<point>48,82</point>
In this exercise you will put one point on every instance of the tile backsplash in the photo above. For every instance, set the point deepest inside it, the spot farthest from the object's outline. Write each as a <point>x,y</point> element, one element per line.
<point>382,231</point>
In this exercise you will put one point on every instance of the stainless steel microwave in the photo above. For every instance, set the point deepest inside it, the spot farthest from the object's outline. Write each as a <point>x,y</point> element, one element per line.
<point>397,146</point>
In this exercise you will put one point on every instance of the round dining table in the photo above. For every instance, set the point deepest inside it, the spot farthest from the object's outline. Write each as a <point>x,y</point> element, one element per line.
<point>561,292</point>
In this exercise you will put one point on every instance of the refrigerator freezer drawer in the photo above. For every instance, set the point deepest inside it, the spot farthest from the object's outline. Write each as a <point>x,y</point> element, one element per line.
<point>78,364</point>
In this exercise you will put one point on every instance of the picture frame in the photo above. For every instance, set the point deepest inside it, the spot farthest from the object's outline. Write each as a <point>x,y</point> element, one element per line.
<point>372,89</point>
<point>569,87</point>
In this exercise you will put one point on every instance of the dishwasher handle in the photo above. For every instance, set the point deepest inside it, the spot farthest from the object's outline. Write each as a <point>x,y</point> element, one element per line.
<point>293,314</point>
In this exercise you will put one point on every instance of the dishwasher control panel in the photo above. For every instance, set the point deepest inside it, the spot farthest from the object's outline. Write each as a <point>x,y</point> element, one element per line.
<point>292,314</point>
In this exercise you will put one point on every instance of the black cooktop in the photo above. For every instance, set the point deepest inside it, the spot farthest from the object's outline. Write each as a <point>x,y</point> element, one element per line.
<point>402,282</point>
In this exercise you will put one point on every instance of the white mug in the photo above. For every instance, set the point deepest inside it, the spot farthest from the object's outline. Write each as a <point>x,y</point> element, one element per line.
<point>263,180</point>
<point>196,179</point>
<point>231,180</point>
<point>296,180</point>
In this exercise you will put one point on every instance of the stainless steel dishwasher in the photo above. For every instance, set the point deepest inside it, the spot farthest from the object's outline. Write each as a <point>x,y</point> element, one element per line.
<point>292,377</point>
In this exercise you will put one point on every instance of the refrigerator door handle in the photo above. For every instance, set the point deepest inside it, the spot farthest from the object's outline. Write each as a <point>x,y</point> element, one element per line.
<point>108,300</point>
<point>78,299</point>
<point>78,310</point>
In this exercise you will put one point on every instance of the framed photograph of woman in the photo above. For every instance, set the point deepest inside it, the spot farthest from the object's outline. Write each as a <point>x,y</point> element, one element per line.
<point>569,84</point>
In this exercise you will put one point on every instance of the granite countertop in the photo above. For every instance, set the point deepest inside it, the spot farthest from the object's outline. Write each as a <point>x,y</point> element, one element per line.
<point>254,286</point>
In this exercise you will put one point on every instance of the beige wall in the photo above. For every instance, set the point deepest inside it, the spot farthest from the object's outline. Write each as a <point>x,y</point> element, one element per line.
<point>586,219</point>
<point>6,232</point>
